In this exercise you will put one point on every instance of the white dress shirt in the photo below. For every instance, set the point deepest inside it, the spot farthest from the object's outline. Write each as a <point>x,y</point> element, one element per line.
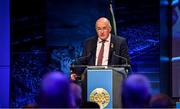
<point>106,50</point>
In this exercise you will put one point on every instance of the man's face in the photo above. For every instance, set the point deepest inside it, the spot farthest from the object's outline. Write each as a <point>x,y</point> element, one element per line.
<point>103,29</point>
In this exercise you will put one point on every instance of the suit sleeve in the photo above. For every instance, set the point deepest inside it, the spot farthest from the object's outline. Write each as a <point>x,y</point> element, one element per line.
<point>124,51</point>
<point>85,49</point>
<point>84,53</point>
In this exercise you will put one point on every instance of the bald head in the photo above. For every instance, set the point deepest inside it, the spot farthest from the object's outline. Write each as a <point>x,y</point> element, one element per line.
<point>103,28</point>
<point>104,20</point>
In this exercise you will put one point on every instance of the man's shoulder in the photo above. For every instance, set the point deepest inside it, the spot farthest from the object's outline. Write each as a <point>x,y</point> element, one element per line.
<point>118,38</point>
<point>93,38</point>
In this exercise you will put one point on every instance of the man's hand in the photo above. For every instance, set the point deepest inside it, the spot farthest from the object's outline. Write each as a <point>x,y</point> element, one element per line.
<point>73,76</point>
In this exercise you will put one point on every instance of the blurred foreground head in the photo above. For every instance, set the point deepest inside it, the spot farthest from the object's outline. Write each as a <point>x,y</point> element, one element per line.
<point>55,91</point>
<point>76,92</point>
<point>136,92</point>
<point>161,101</point>
<point>90,104</point>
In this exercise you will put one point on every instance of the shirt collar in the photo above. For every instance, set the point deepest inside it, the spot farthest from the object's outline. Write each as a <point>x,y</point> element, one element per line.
<point>107,40</point>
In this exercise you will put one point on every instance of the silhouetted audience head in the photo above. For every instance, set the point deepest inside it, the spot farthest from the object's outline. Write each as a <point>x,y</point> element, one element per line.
<point>136,92</point>
<point>30,106</point>
<point>90,104</point>
<point>76,92</point>
<point>55,91</point>
<point>161,101</point>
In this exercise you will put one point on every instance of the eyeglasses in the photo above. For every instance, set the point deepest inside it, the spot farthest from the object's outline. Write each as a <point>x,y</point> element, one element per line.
<point>102,29</point>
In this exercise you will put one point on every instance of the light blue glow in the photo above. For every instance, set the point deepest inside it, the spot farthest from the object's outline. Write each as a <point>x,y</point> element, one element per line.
<point>175,59</point>
<point>164,58</point>
<point>174,2</point>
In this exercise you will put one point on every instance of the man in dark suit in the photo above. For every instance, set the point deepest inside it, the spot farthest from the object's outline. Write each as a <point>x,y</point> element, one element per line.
<point>105,48</point>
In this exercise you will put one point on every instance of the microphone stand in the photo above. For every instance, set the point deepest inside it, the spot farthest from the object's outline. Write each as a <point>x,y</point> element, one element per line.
<point>126,66</point>
<point>78,65</point>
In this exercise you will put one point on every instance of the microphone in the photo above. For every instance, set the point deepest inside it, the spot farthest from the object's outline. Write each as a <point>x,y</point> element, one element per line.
<point>83,58</point>
<point>124,65</point>
<point>77,67</point>
<point>80,61</point>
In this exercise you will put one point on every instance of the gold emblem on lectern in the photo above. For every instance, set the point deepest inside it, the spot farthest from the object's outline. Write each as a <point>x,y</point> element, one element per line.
<point>100,96</point>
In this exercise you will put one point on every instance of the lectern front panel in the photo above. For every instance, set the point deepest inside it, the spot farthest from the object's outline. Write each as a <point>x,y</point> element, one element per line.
<point>100,83</point>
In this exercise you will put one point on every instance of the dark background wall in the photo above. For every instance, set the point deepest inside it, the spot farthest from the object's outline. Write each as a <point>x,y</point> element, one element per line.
<point>48,35</point>
<point>28,50</point>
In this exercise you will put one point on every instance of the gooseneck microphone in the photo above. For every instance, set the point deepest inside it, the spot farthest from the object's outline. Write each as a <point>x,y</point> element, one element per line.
<point>81,61</point>
<point>126,65</point>
<point>83,58</point>
<point>78,65</point>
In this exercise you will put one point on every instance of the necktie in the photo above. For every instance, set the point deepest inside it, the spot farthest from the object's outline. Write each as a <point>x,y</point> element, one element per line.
<point>101,52</point>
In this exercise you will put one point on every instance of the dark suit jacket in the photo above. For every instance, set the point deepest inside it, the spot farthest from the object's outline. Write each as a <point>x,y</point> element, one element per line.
<point>118,46</point>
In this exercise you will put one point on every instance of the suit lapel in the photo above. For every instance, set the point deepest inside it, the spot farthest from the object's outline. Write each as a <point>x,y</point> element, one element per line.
<point>111,49</point>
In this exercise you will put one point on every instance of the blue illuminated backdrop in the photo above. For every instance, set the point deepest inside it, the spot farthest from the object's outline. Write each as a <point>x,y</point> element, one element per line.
<point>5,53</point>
